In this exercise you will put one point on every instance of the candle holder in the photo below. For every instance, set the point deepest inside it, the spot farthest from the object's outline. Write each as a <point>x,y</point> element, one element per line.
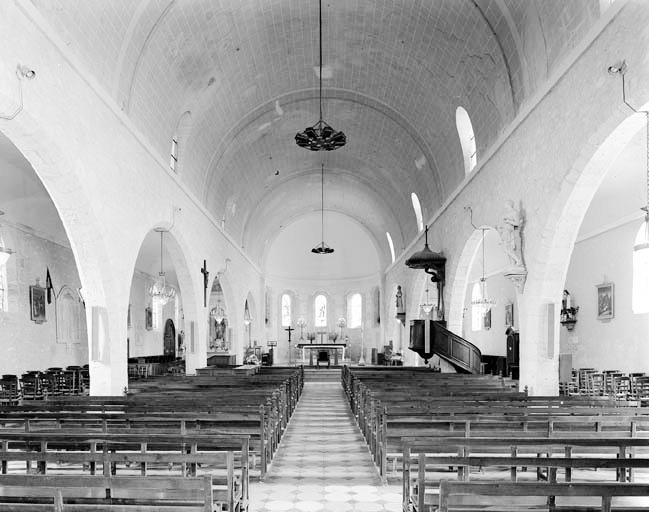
<point>301,323</point>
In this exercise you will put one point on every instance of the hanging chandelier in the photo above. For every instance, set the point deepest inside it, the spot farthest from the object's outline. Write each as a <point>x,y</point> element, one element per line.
<point>428,305</point>
<point>484,299</point>
<point>160,290</point>
<point>322,248</point>
<point>321,136</point>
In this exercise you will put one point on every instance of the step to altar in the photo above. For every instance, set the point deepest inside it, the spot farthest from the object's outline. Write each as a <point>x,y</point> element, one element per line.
<point>322,374</point>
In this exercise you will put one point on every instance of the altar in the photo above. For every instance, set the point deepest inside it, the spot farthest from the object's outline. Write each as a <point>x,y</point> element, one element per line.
<point>322,346</point>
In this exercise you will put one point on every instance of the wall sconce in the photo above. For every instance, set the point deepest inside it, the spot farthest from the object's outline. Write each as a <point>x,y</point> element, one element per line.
<point>568,312</point>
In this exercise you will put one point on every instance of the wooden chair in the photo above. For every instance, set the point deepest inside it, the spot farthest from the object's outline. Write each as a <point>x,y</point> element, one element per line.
<point>9,390</point>
<point>31,386</point>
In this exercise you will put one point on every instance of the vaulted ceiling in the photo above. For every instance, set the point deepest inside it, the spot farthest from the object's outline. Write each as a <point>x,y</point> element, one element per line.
<point>236,79</point>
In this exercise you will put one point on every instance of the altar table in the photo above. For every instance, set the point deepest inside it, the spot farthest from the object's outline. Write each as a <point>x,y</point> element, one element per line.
<point>322,346</point>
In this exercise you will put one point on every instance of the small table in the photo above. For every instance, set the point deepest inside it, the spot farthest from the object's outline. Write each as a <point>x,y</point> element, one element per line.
<point>322,346</point>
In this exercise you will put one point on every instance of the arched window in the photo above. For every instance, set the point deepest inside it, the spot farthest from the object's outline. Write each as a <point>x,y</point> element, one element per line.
<point>320,310</point>
<point>477,310</point>
<point>178,141</point>
<point>286,310</point>
<point>467,139</point>
<point>416,205</point>
<point>354,311</point>
<point>173,160</point>
<point>640,293</point>
<point>157,307</point>
<point>391,244</point>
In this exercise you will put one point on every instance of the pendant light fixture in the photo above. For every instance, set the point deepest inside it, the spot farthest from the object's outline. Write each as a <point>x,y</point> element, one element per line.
<point>322,248</point>
<point>160,290</point>
<point>484,299</point>
<point>428,305</point>
<point>321,136</point>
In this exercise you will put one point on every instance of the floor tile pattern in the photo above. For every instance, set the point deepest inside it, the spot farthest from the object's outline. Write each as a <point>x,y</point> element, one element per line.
<point>323,463</point>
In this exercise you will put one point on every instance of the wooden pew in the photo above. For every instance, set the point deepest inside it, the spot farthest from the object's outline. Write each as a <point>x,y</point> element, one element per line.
<point>593,451</point>
<point>503,493</point>
<point>259,406</point>
<point>224,458</point>
<point>118,494</point>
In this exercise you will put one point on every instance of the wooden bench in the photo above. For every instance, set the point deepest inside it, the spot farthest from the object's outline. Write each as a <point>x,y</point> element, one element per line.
<point>547,455</point>
<point>36,493</point>
<point>259,406</point>
<point>468,496</point>
<point>225,458</point>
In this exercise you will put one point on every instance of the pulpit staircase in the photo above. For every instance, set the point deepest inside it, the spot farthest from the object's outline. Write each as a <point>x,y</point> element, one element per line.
<point>463,355</point>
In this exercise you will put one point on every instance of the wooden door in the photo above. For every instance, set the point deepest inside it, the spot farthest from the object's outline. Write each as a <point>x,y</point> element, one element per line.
<point>170,338</point>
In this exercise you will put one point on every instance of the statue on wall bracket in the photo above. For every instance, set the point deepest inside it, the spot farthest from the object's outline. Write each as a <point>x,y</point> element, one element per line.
<point>400,309</point>
<point>512,243</point>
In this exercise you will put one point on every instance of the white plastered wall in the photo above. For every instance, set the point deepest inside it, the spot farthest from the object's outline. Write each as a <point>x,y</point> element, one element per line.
<point>110,189</point>
<point>552,159</point>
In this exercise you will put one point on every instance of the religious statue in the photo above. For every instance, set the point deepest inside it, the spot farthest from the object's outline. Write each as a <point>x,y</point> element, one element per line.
<point>400,308</point>
<point>510,234</point>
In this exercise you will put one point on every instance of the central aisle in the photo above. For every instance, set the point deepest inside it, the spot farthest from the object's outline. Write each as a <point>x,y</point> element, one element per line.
<point>323,462</point>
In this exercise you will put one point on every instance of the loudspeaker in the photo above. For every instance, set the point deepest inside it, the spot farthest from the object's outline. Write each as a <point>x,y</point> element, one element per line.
<point>513,343</point>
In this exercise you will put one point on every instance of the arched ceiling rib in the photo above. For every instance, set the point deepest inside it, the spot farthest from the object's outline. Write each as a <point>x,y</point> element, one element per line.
<point>394,74</point>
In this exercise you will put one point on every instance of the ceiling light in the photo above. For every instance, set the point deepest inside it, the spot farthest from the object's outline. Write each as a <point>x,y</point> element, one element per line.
<point>160,290</point>
<point>322,248</point>
<point>484,299</point>
<point>321,136</point>
<point>428,305</point>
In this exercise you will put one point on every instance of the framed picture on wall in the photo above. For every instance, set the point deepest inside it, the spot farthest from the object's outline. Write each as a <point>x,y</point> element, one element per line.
<point>148,318</point>
<point>37,304</point>
<point>486,320</point>
<point>605,301</point>
<point>509,315</point>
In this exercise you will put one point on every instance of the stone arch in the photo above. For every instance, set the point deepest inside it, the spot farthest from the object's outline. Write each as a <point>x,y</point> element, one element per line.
<point>460,281</point>
<point>61,178</point>
<point>543,290</point>
<point>175,246</point>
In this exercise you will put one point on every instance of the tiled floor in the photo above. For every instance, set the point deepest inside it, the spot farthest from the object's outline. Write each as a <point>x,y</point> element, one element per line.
<point>323,463</point>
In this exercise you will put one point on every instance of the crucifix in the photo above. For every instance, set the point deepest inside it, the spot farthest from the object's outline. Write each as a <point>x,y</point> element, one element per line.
<point>289,329</point>
<point>206,277</point>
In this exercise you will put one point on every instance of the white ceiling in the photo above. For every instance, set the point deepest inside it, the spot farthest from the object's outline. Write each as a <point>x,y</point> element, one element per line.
<point>395,73</point>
